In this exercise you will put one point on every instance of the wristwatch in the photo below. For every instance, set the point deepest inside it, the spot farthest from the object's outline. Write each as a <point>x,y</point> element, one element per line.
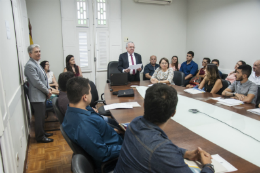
<point>210,166</point>
<point>234,94</point>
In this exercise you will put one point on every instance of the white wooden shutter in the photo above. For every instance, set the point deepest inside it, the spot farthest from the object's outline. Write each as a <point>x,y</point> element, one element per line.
<point>102,49</point>
<point>84,48</point>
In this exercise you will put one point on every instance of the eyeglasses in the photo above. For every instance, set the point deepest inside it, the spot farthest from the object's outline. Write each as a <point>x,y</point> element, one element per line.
<point>164,63</point>
<point>131,47</point>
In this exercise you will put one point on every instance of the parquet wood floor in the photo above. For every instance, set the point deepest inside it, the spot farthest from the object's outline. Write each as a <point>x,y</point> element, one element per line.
<point>54,157</point>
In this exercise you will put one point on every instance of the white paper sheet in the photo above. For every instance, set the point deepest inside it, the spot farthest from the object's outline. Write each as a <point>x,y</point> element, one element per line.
<point>134,104</point>
<point>224,163</point>
<point>255,111</point>
<point>194,91</point>
<point>117,106</point>
<point>137,66</point>
<point>133,86</point>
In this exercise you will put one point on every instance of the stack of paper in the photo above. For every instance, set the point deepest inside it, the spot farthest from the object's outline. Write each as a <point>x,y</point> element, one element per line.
<point>255,111</point>
<point>122,105</point>
<point>230,102</point>
<point>220,165</point>
<point>194,91</point>
<point>134,67</point>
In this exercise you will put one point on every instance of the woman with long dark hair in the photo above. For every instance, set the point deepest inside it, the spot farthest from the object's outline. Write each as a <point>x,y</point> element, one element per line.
<point>232,75</point>
<point>71,66</point>
<point>175,63</point>
<point>212,81</point>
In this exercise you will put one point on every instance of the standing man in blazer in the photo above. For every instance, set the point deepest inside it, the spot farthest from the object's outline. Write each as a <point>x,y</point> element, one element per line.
<point>39,90</point>
<point>130,58</point>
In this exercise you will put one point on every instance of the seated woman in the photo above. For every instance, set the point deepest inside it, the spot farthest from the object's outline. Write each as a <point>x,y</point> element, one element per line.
<point>51,78</point>
<point>232,75</point>
<point>201,72</point>
<point>71,66</point>
<point>212,81</point>
<point>163,74</point>
<point>175,64</point>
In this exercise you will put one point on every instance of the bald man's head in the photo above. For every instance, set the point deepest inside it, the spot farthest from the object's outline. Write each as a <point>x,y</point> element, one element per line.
<point>256,66</point>
<point>153,59</point>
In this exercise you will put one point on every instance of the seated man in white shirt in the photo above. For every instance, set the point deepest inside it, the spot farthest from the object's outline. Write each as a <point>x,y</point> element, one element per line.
<point>255,75</point>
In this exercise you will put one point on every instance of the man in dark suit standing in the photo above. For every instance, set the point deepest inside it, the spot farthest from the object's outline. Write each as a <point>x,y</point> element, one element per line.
<point>130,58</point>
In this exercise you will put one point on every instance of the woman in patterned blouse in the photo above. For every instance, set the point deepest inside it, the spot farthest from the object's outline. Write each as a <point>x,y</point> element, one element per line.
<point>163,74</point>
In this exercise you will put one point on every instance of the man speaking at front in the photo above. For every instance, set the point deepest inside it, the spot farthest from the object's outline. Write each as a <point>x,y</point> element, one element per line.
<point>130,58</point>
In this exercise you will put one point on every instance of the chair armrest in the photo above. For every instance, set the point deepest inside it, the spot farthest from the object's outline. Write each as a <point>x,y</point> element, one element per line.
<point>101,101</point>
<point>102,96</point>
<point>103,166</point>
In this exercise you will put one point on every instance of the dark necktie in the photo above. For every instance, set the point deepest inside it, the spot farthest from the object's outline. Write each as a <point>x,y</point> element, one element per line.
<point>132,63</point>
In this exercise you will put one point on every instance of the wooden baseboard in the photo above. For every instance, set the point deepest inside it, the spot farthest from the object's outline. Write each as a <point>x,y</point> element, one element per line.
<point>26,156</point>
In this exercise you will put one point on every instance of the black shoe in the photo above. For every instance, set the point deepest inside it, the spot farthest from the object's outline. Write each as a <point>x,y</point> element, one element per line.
<point>45,140</point>
<point>48,134</point>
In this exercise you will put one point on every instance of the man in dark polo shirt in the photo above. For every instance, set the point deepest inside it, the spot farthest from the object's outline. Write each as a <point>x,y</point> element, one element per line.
<point>63,100</point>
<point>146,147</point>
<point>189,67</point>
<point>150,68</point>
<point>242,89</point>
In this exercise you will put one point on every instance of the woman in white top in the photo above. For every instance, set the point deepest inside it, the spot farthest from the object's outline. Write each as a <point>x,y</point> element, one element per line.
<point>163,74</point>
<point>51,78</point>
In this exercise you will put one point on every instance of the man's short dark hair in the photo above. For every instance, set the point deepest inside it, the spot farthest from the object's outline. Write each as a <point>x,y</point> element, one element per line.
<point>76,88</point>
<point>159,103</point>
<point>215,60</point>
<point>246,69</point>
<point>191,53</point>
<point>63,79</point>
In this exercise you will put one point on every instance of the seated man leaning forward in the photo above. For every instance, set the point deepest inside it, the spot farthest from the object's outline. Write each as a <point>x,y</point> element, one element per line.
<point>150,68</point>
<point>87,128</point>
<point>147,148</point>
<point>242,89</point>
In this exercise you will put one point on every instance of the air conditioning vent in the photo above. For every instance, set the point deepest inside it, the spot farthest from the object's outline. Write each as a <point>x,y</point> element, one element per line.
<point>163,2</point>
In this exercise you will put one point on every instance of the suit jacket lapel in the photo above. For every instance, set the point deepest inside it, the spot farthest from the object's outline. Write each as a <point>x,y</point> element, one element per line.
<point>40,70</point>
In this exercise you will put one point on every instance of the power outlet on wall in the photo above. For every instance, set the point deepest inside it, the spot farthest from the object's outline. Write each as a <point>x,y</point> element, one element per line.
<point>126,39</point>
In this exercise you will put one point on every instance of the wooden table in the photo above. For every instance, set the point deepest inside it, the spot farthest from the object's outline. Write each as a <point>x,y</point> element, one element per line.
<point>178,134</point>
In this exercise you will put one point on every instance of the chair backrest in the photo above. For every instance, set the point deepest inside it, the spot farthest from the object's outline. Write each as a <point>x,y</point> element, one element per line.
<point>224,76</point>
<point>225,84</point>
<point>258,96</point>
<point>179,78</point>
<point>94,94</point>
<point>57,110</point>
<point>76,148</point>
<point>112,68</point>
<point>26,89</point>
<point>81,165</point>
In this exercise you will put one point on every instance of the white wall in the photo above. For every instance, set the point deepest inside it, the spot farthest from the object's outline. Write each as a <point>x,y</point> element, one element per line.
<point>155,29</point>
<point>45,17</point>
<point>225,30</point>
<point>14,138</point>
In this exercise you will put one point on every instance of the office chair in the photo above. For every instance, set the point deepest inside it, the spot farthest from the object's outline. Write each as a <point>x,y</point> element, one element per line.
<point>225,84</point>
<point>81,165</point>
<point>89,160</point>
<point>112,68</point>
<point>224,76</point>
<point>179,78</point>
<point>258,96</point>
<point>95,100</point>
<point>57,110</point>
